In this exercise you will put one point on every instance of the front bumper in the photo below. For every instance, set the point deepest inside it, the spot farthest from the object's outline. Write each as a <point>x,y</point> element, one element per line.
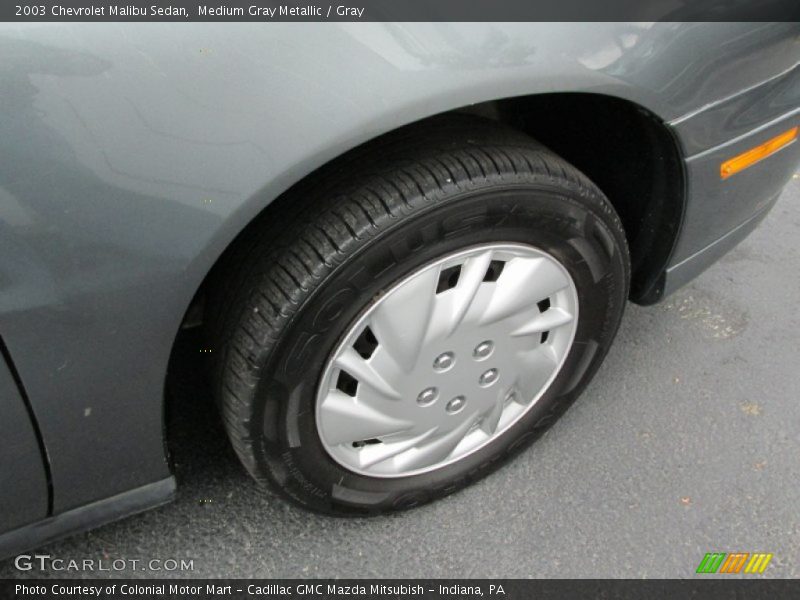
<point>720,213</point>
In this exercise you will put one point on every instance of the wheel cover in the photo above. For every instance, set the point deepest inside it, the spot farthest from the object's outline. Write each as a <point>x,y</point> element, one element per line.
<point>446,360</point>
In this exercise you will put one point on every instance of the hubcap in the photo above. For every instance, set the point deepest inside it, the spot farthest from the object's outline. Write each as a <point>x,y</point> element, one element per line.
<point>446,360</point>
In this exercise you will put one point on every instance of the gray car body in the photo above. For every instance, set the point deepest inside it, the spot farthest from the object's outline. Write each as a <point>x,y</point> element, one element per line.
<point>132,155</point>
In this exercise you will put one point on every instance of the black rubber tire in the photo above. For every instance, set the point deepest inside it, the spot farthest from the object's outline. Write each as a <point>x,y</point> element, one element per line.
<point>288,292</point>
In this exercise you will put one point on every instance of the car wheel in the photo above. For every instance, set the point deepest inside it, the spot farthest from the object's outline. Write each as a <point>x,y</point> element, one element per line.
<point>425,309</point>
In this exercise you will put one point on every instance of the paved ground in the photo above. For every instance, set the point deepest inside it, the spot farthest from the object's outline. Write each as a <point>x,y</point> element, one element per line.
<point>687,441</point>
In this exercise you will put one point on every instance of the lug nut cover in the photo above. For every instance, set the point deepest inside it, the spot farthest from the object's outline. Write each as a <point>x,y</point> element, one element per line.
<point>456,404</point>
<point>483,350</point>
<point>427,396</point>
<point>444,361</point>
<point>487,378</point>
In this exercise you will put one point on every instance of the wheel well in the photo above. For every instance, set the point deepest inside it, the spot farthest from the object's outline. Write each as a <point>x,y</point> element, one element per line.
<point>624,149</point>
<point>628,153</point>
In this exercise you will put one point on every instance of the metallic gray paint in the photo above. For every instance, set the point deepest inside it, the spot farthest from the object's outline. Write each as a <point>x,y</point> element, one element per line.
<point>695,264</point>
<point>133,154</point>
<point>741,114</point>
<point>23,487</point>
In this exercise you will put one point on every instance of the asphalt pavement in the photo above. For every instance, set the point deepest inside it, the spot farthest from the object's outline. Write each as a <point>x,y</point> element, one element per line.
<point>686,442</point>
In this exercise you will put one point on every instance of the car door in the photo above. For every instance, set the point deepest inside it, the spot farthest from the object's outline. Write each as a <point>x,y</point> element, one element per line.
<point>23,483</point>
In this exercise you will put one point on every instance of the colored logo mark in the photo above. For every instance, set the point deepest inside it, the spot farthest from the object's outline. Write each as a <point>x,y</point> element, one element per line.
<point>735,562</point>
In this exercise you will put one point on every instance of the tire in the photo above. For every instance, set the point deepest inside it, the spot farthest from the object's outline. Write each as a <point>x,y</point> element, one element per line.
<point>300,281</point>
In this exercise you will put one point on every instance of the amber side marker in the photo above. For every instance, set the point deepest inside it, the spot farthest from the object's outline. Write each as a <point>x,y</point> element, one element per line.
<point>752,156</point>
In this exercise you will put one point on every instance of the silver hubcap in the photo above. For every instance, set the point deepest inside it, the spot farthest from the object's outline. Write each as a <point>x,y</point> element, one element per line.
<point>447,360</point>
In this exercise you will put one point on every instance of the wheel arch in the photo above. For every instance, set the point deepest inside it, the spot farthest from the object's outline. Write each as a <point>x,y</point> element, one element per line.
<point>572,124</point>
